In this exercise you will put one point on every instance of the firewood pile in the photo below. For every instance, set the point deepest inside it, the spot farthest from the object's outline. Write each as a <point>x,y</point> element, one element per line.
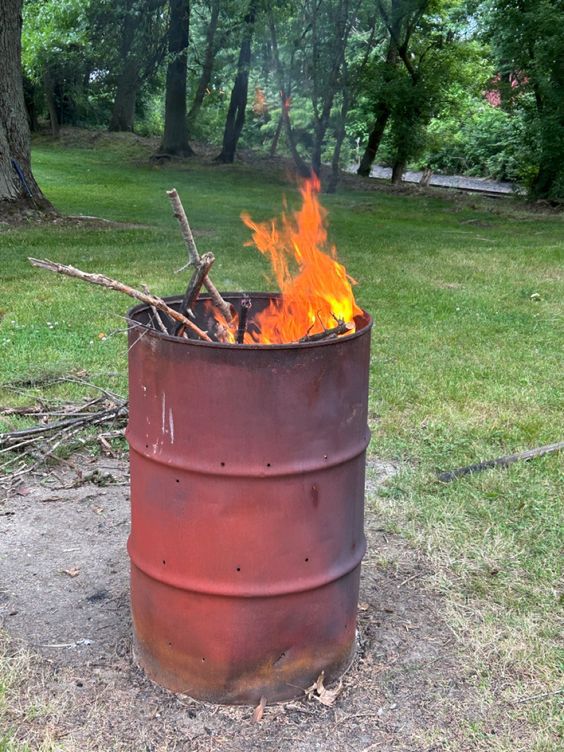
<point>59,426</point>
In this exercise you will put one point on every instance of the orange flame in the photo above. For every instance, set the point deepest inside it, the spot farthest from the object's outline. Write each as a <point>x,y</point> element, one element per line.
<point>316,290</point>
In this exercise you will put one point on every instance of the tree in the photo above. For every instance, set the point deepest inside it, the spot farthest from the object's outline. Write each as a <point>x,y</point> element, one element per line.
<point>17,183</point>
<point>238,102</point>
<point>316,37</point>
<point>528,43</point>
<point>175,138</point>
<point>57,57</point>
<point>207,65</point>
<point>385,77</point>
<point>141,50</point>
<point>400,19</point>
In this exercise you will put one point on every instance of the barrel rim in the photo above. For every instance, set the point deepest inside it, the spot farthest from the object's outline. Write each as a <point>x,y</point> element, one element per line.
<point>136,310</point>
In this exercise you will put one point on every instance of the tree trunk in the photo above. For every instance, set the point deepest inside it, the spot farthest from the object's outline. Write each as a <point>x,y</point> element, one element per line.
<point>397,170</point>
<point>374,140</point>
<point>123,112</point>
<point>238,103</point>
<point>175,138</point>
<point>301,166</point>
<point>339,138</point>
<point>276,137</point>
<point>17,183</point>
<point>207,68</point>
<point>318,135</point>
<point>49,92</point>
<point>382,111</point>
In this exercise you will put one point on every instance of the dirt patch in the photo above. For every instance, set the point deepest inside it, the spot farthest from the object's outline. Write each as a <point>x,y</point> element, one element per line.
<point>64,599</point>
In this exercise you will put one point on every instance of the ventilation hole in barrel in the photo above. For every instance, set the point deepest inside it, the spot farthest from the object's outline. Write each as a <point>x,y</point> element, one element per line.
<point>203,660</point>
<point>178,480</point>
<point>170,644</point>
<point>268,464</point>
<point>324,456</point>
<point>306,558</point>
<point>238,569</point>
<point>146,446</point>
<point>222,464</point>
<point>164,562</point>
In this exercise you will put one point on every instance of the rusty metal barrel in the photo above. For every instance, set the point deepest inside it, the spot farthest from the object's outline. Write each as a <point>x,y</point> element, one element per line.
<point>247,505</point>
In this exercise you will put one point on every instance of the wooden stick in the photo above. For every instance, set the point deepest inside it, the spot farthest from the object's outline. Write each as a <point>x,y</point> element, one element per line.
<point>504,461</point>
<point>202,267</point>
<point>185,229</point>
<point>156,314</point>
<point>194,256</point>
<point>113,284</point>
<point>341,328</point>
<point>246,306</point>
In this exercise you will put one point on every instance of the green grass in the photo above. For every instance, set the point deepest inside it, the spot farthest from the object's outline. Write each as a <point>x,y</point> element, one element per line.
<point>466,365</point>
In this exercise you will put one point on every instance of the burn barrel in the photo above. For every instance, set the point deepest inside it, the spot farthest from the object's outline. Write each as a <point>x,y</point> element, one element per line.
<point>247,504</point>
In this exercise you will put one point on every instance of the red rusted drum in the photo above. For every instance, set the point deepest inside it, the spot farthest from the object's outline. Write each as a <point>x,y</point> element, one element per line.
<point>247,501</point>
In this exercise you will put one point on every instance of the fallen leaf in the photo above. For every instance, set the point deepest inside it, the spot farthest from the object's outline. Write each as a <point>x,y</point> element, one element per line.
<point>323,695</point>
<point>259,711</point>
<point>363,606</point>
<point>72,572</point>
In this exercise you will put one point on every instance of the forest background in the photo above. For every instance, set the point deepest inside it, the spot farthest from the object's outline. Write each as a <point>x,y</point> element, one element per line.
<point>472,87</point>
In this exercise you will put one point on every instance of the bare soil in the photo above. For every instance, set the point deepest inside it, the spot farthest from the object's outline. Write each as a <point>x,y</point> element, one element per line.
<point>64,603</point>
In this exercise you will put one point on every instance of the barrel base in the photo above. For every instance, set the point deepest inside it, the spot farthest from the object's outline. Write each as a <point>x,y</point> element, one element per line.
<point>230,663</point>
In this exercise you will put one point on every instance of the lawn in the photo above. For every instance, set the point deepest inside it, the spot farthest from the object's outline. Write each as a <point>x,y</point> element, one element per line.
<point>466,365</point>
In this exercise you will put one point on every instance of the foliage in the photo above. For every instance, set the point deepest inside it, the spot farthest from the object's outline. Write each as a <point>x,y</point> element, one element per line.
<point>432,62</point>
<point>527,38</point>
<point>55,39</point>
<point>479,140</point>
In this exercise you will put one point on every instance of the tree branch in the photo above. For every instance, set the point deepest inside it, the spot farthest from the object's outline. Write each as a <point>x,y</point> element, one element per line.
<point>194,256</point>
<point>113,284</point>
<point>504,461</point>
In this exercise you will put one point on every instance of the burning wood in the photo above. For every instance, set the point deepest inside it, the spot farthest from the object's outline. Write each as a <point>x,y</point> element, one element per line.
<point>194,256</point>
<point>246,306</point>
<point>341,328</point>
<point>316,290</point>
<point>203,266</point>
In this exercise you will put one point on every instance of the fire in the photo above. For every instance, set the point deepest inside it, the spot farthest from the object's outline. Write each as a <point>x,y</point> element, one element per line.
<point>316,292</point>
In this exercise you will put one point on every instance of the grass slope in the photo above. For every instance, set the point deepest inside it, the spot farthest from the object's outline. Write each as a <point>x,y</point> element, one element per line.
<point>466,365</point>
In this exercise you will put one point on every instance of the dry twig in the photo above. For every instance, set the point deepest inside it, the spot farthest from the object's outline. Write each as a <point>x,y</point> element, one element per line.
<point>113,284</point>
<point>156,314</point>
<point>341,328</point>
<point>201,269</point>
<point>504,461</point>
<point>194,256</point>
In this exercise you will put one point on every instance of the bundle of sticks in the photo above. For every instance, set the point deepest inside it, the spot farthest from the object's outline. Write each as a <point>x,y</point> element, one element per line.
<point>181,322</point>
<point>59,426</point>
